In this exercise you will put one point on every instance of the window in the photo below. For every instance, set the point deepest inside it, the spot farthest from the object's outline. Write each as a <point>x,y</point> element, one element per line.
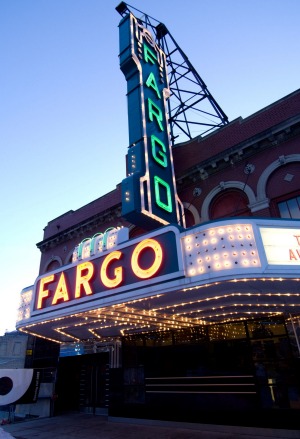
<point>290,208</point>
<point>229,203</point>
<point>53,265</point>
<point>17,348</point>
<point>3,348</point>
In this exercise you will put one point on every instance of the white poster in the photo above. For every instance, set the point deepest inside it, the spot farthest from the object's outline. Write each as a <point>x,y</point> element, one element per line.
<point>282,246</point>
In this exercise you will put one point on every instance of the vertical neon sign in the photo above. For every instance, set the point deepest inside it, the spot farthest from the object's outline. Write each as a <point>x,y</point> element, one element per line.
<point>149,196</point>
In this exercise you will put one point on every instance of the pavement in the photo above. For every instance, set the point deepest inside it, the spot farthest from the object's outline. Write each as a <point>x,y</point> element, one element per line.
<point>86,426</point>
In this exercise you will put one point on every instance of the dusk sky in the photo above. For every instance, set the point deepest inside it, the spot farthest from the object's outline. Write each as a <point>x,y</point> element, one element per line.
<point>63,111</point>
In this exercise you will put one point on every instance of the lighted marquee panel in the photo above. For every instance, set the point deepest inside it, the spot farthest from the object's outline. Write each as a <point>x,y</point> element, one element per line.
<point>100,242</point>
<point>282,246</point>
<point>226,247</point>
<point>131,269</point>
<point>25,304</point>
<point>235,262</point>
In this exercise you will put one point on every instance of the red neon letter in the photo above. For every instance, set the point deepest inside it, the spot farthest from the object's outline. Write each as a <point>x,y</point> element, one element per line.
<point>152,270</point>
<point>61,292</point>
<point>118,272</point>
<point>84,273</point>
<point>42,294</point>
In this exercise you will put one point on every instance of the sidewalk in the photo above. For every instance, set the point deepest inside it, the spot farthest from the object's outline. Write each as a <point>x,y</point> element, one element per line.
<point>83,426</point>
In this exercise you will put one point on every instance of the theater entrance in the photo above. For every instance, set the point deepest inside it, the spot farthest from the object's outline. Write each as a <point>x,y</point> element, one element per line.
<point>83,384</point>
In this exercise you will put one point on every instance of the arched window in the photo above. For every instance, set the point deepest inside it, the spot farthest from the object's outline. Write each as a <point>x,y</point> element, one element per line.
<point>229,203</point>
<point>53,266</point>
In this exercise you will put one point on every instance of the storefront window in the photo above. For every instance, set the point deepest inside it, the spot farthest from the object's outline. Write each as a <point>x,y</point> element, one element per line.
<point>158,339</point>
<point>190,336</point>
<point>266,328</point>
<point>227,331</point>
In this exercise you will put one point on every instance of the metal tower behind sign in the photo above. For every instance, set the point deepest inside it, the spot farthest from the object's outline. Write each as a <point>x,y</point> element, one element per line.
<point>191,106</point>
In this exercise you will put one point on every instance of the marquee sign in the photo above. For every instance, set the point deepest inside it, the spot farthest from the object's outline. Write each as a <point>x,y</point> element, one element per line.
<point>127,267</point>
<point>166,255</point>
<point>166,264</point>
<point>149,196</point>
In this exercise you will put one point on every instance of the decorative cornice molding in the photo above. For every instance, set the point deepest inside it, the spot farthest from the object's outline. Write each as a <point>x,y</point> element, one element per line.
<point>267,139</point>
<point>80,230</point>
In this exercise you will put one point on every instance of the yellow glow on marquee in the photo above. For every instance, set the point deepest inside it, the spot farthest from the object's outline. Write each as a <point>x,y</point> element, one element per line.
<point>82,280</point>
<point>42,294</point>
<point>91,275</point>
<point>61,292</point>
<point>118,272</point>
<point>226,261</point>
<point>152,270</point>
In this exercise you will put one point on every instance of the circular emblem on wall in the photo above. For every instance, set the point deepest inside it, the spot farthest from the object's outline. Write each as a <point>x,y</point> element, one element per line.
<point>6,384</point>
<point>13,384</point>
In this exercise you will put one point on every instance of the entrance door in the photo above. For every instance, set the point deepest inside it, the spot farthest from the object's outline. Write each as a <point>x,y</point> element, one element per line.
<point>93,387</point>
<point>82,384</point>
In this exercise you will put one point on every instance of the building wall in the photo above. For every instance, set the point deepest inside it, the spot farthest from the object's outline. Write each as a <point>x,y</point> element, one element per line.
<point>13,346</point>
<point>257,166</point>
<point>243,168</point>
<point>20,351</point>
<point>212,374</point>
<point>234,137</point>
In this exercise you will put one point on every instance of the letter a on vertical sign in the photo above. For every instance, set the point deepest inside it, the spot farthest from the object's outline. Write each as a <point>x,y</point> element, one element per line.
<point>149,197</point>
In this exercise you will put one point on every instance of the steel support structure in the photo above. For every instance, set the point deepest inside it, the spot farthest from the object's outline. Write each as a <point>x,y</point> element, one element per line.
<point>193,111</point>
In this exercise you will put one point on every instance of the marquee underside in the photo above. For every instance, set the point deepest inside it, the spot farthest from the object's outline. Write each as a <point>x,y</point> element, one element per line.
<point>180,308</point>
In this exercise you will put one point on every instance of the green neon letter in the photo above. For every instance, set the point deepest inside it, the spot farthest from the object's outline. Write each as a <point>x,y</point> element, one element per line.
<point>149,55</point>
<point>158,155</point>
<point>158,183</point>
<point>154,110</point>
<point>151,82</point>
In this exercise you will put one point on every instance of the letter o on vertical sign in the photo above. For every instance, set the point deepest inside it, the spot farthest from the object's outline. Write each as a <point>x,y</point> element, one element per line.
<point>145,273</point>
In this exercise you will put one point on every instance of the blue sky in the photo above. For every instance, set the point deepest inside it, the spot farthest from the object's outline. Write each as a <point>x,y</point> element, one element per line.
<point>63,114</point>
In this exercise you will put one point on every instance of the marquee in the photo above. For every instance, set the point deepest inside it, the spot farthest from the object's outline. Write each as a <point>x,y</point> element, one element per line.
<point>170,278</point>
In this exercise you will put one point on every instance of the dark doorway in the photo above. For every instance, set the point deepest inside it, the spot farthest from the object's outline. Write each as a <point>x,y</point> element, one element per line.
<point>82,384</point>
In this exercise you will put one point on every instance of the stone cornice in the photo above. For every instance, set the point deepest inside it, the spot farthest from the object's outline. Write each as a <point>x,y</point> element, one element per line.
<point>267,139</point>
<point>81,229</point>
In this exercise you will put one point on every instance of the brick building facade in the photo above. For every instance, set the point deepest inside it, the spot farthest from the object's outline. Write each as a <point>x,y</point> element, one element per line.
<point>243,169</point>
<point>247,170</point>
